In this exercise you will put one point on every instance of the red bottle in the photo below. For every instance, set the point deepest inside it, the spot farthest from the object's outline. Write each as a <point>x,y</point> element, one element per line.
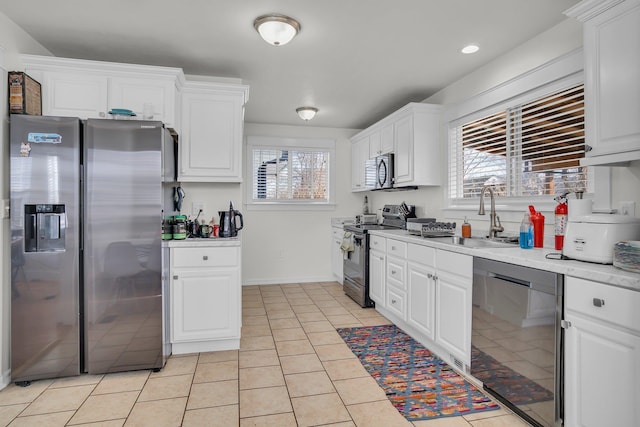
<point>537,219</point>
<point>561,213</point>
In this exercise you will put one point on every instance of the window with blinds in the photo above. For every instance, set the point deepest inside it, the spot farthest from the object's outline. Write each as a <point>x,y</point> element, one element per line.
<point>531,149</point>
<point>290,175</point>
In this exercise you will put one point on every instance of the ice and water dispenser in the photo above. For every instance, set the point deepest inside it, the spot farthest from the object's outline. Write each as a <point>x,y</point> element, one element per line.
<point>44,228</point>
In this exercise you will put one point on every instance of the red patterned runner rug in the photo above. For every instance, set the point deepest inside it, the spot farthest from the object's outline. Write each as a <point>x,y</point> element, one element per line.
<point>418,383</point>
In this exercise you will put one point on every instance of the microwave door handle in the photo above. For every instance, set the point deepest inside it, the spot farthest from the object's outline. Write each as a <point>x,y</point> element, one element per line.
<point>381,167</point>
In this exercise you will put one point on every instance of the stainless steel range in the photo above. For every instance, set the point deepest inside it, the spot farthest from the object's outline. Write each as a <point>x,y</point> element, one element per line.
<point>356,262</point>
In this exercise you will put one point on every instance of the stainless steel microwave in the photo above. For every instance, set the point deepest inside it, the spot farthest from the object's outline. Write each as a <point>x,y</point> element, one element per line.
<point>384,171</point>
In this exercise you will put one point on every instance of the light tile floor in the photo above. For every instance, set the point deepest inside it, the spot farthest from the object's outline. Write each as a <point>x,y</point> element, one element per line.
<point>292,369</point>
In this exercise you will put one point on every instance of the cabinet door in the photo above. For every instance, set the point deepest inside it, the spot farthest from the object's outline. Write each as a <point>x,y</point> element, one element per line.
<point>374,145</point>
<point>453,314</point>
<point>404,149</point>
<point>377,278</point>
<point>602,371</point>
<point>337,257</point>
<point>421,299</point>
<point>359,158</point>
<point>386,139</point>
<point>71,94</point>
<point>205,305</point>
<point>133,94</point>
<point>211,140</point>
<point>612,86</point>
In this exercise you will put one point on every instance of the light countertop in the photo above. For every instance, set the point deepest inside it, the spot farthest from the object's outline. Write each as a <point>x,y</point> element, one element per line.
<point>534,258</point>
<point>202,242</point>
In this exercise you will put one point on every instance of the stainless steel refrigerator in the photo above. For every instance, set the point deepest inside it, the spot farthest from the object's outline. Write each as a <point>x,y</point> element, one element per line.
<point>87,288</point>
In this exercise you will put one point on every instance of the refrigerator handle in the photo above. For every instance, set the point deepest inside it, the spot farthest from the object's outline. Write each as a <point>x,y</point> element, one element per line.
<point>32,227</point>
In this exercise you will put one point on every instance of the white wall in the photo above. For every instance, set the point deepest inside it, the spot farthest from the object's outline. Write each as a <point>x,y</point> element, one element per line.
<point>557,41</point>
<point>295,246</point>
<point>13,42</point>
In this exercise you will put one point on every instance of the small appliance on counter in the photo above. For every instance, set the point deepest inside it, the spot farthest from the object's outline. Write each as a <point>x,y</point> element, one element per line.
<point>593,237</point>
<point>414,225</point>
<point>228,226</point>
<point>367,219</point>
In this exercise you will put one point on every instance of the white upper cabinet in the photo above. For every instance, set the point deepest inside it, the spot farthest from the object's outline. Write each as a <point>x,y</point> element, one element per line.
<point>212,125</point>
<point>89,89</point>
<point>612,86</point>
<point>359,158</point>
<point>412,134</point>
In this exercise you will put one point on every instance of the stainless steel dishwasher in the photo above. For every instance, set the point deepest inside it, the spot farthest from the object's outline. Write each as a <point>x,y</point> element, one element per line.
<point>517,340</point>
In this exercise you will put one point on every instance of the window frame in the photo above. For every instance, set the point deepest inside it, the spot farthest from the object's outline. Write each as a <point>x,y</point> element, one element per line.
<point>290,144</point>
<point>561,73</point>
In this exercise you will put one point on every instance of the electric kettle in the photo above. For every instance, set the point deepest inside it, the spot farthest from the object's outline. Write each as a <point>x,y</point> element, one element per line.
<point>228,226</point>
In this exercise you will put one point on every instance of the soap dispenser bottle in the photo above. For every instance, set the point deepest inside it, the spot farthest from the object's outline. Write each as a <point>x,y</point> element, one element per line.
<point>526,232</point>
<point>466,228</point>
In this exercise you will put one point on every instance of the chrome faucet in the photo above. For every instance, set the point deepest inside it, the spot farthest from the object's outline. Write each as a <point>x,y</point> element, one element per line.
<point>494,225</point>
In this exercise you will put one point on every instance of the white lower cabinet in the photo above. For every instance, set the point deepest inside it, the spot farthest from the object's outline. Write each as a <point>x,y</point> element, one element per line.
<point>337,257</point>
<point>205,299</point>
<point>427,293</point>
<point>421,313</point>
<point>602,355</point>
<point>377,282</point>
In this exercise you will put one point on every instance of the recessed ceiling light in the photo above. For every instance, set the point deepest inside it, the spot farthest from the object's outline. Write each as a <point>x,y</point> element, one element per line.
<point>472,48</point>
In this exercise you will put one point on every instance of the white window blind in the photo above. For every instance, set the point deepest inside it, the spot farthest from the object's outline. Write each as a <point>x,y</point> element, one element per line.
<point>525,150</point>
<point>290,175</point>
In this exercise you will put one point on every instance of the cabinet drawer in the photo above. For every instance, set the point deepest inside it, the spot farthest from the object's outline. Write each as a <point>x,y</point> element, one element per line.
<point>396,248</point>
<point>617,305</point>
<point>205,257</point>
<point>454,263</point>
<point>396,302</point>
<point>421,254</point>
<point>396,271</point>
<point>378,243</point>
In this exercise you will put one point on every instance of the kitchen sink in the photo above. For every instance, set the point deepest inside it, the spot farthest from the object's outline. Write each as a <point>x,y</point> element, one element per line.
<point>479,242</point>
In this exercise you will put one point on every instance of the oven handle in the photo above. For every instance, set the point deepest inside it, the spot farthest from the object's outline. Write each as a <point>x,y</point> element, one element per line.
<point>510,279</point>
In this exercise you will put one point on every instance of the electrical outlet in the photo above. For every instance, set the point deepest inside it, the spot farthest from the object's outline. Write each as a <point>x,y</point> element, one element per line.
<point>628,208</point>
<point>196,206</point>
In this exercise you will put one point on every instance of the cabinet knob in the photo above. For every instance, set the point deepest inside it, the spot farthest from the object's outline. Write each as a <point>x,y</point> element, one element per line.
<point>587,148</point>
<point>175,277</point>
<point>205,257</point>
<point>381,258</point>
<point>393,248</point>
<point>430,276</point>
<point>435,277</point>
<point>598,302</point>
<point>393,301</point>
<point>393,272</point>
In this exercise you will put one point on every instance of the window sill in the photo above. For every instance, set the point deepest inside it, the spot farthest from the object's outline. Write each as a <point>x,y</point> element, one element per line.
<point>286,206</point>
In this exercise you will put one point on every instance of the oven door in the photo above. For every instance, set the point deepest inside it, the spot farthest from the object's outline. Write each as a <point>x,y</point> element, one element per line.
<point>356,270</point>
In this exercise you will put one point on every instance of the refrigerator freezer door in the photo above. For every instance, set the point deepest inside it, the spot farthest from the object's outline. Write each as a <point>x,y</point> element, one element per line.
<point>44,180</point>
<point>122,247</point>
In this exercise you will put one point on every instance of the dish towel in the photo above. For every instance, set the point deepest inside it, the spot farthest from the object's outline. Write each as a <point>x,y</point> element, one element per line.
<point>347,244</point>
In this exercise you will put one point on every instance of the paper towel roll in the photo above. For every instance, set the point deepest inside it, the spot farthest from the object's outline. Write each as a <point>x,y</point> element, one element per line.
<point>579,207</point>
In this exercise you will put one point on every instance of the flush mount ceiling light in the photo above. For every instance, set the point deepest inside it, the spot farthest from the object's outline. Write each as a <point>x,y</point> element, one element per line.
<point>306,113</point>
<point>276,29</point>
<point>472,48</point>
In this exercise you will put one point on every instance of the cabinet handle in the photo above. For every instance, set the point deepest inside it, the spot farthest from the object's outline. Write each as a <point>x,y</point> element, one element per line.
<point>435,278</point>
<point>205,257</point>
<point>393,301</point>
<point>393,272</point>
<point>430,276</point>
<point>175,277</point>
<point>587,148</point>
<point>598,302</point>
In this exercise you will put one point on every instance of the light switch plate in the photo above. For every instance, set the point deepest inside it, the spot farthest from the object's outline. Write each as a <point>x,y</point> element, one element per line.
<point>196,206</point>
<point>4,206</point>
<point>627,208</point>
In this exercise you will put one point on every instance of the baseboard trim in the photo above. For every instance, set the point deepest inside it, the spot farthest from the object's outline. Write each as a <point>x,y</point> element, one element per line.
<point>285,280</point>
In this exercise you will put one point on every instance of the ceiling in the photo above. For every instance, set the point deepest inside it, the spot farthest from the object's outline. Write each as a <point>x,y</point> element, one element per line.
<point>355,60</point>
